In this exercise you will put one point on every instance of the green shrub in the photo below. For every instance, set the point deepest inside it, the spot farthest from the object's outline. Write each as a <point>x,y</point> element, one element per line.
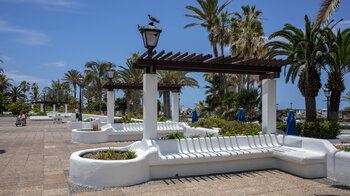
<point>16,107</point>
<point>195,136</point>
<point>163,119</point>
<point>321,130</point>
<point>238,128</point>
<point>110,155</point>
<point>130,154</point>
<point>341,147</point>
<point>175,135</point>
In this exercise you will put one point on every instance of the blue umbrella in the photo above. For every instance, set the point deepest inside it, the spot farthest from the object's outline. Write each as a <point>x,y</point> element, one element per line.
<point>240,116</point>
<point>194,116</point>
<point>291,124</point>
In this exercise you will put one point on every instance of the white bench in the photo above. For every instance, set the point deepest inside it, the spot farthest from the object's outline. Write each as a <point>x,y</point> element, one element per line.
<point>269,151</point>
<point>137,128</point>
<point>156,159</point>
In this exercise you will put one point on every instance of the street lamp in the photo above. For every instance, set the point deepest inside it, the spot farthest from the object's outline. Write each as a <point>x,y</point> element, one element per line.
<point>80,116</point>
<point>150,36</point>
<point>327,93</point>
<point>291,105</point>
<point>110,72</point>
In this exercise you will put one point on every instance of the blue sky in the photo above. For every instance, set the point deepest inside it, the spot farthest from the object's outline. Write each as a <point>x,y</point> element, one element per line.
<point>41,39</point>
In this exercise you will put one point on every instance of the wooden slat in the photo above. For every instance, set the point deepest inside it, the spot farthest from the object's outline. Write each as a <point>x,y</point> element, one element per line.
<point>173,56</point>
<point>165,56</point>
<point>151,55</point>
<point>180,57</point>
<point>143,55</point>
<point>232,60</point>
<point>215,59</point>
<point>158,55</point>
<point>204,58</point>
<point>188,57</point>
<point>194,59</point>
<point>224,59</point>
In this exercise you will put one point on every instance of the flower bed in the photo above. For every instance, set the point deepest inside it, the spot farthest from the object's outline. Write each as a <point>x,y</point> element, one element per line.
<point>110,155</point>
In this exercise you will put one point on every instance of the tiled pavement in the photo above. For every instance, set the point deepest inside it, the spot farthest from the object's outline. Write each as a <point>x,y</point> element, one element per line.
<point>34,160</point>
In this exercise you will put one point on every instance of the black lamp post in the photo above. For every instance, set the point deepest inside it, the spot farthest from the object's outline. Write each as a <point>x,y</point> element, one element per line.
<point>80,116</point>
<point>327,93</point>
<point>110,74</point>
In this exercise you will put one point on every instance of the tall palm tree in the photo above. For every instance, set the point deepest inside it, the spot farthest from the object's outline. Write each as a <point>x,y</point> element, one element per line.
<point>325,11</point>
<point>73,77</point>
<point>129,75</point>
<point>174,77</point>
<point>208,14</point>
<point>337,58</point>
<point>16,94</point>
<point>248,40</point>
<point>5,83</point>
<point>25,86</point>
<point>58,91</point>
<point>96,73</point>
<point>34,95</point>
<point>303,46</point>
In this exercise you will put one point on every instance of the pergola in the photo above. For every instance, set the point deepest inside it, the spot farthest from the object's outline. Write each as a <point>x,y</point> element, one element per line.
<point>53,103</point>
<point>175,88</point>
<point>150,62</point>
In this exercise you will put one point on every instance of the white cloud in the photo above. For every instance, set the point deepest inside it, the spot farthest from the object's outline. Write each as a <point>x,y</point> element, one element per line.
<point>28,36</point>
<point>57,64</point>
<point>56,3</point>
<point>5,58</point>
<point>19,77</point>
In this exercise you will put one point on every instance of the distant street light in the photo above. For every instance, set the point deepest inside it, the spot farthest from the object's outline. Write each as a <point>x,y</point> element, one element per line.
<point>291,105</point>
<point>327,93</point>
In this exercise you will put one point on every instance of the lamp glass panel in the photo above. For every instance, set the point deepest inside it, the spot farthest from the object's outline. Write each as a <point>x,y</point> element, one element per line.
<point>152,38</point>
<point>110,74</point>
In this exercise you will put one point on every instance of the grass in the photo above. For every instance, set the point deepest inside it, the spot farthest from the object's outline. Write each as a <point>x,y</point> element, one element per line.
<point>110,155</point>
<point>341,147</point>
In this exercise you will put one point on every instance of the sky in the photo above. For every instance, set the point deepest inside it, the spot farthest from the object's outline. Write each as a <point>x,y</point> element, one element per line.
<point>40,40</point>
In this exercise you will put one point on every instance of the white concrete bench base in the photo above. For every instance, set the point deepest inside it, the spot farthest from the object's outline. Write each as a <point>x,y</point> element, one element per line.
<point>305,157</point>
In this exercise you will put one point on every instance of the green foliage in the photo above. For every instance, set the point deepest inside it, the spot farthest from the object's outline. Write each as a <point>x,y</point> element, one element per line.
<point>163,119</point>
<point>110,155</point>
<point>125,119</point>
<point>238,128</point>
<point>341,147</point>
<point>16,107</point>
<point>88,120</point>
<point>321,130</point>
<point>94,106</point>
<point>176,135</point>
<point>195,136</point>
<point>121,104</point>
<point>130,154</point>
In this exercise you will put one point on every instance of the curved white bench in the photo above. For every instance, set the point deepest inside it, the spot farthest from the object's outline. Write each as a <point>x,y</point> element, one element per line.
<point>306,157</point>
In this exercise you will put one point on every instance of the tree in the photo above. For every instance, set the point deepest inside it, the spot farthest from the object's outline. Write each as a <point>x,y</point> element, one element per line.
<point>25,86</point>
<point>34,95</point>
<point>303,47</point>
<point>16,94</point>
<point>96,74</point>
<point>325,11</point>
<point>57,92</point>
<point>73,77</point>
<point>129,75</point>
<point>5,83</point>
<point>248,40</point>
<point>174,77</point>
<point>208,14</point>
<point>337,57</point>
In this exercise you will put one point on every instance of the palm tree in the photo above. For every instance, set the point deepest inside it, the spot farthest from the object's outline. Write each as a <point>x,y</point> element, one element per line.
<point>303,46</point>
<point>129,75</point>
<point>25,86</point>
<point>57,92</point>
<point>96,74</point>
<point>174,77</point>
<point>248,40</point>
<point>16,94</point>
<point>208,14</point>
<point>5,83</point>
<point>73,77</point>
<point>337,58</point>
<point>34,95</point>
<point>325,11</point>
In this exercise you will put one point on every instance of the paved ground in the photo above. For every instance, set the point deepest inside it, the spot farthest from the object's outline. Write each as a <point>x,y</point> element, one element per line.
<point>34,160</point>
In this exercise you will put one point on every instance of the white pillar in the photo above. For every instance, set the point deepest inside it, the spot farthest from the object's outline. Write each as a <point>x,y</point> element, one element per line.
<point>41,107</point>
<point>65,108</point>
<point>32,107</point>
<point>175,106</point>
<point>110,106</point>
<point>269,106</point>
<point>150,106</point>
<point>54,107</point>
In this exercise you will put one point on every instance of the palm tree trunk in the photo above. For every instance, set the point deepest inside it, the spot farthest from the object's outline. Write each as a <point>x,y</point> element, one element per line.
<point>164,104</point>
<point>167,104</point>
<point>100,99</point>
<point>310,107</point>
<point>334,105</point>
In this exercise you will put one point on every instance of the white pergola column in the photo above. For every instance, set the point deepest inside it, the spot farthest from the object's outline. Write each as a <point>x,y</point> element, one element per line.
<point>41,107</point>
<point>110,106</point>
<point>54,107</point>
<point>268,106</point>
<point>65,108</point>
<point>150,87</point>
<point>32,107</point>
<point>175,106</point>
